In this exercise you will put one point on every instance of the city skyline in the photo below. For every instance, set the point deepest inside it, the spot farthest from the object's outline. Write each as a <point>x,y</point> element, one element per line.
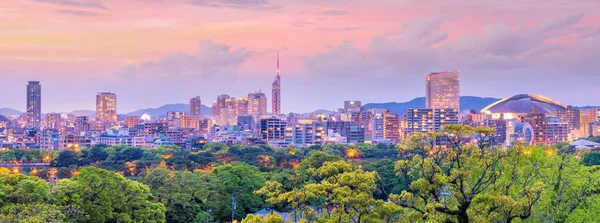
<point>373,52</point>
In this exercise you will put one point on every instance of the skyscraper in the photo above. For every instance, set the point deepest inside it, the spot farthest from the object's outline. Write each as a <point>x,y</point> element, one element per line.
<point>195,106</point>
<point>106,107</point>
<point>34,104</point>
<point>443,90</point>
<point>276,97</point>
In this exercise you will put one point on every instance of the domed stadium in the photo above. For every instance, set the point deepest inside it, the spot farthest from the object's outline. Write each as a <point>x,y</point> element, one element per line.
<point>524,103</point>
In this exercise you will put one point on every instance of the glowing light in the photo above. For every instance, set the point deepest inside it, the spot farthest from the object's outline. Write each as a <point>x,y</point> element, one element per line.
<point>167,156</point>
<point>15,170</point>
<point>292,152</point>
<point>351,153</point>
<point>145,117</point>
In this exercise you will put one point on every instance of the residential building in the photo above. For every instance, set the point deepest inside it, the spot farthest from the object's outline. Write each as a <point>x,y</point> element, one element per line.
<point>391,126</point>
<point>132,121</point>
<point>53,121</point>
<point>106,107</point>
<point>195,106</point>
<point>34,104</point>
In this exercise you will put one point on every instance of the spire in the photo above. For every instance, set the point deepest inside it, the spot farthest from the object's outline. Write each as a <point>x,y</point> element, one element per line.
<point>277,63</point>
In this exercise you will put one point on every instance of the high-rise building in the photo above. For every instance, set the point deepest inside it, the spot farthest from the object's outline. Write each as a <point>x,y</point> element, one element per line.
<point>257,104</point>
<point>241,105</point>
<point>352,106</point>
<point>305,133</point>
<point>587,116</point>
<point>443,90</point>
<point>558,131</point>
<point>539,123</point>
<point>34,104</point>
<point>376,123</point>
<point>425,120</point>
<point>82,124</point>
<point>106,107</point>
<point>273,129</point>
<point>53,121</point>
<point>276,91</point>
<point>571,116</point>
<point>132,121</point>
<point>189,121</point>
<point>391,126</point>
<point>195,106</point>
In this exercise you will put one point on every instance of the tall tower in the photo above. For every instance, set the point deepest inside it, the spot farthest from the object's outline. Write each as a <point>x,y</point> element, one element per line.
<point>195,106</point>
<point>106,107</point>
<point>443,90</point>
<point>276,97</point>
<point>34,104</point>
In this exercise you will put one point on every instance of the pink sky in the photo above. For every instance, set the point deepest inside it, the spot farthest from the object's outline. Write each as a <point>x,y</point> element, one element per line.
<point>86,43</point>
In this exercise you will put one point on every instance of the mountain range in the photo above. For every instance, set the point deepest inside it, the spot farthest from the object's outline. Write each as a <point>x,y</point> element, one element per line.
<point>466,103</point>
<point>9,112</point>
<point>161,111</point>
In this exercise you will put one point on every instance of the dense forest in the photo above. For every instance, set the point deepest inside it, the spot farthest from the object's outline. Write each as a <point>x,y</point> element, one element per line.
<point>421,180</point>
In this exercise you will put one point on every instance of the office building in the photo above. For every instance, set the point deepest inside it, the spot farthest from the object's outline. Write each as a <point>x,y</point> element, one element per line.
<point>195,106</point>
<point>305,133</point>
<point>425,120</point>
<point>273,129</point>
<point>246,122</point>
<point>443,90</point>
<point>276,92</point>
<point>106,107</point>
<point>34,104</point>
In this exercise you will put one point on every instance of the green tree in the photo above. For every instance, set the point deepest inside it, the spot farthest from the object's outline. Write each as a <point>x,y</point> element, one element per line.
<point>107,196</point>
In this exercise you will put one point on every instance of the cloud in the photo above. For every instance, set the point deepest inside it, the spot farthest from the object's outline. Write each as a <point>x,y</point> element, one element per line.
<point>341,29</point>
<point>236,4</point>
<point>77,3</point>
<point>78,12</point>
<point>423,46</point>
<point>211,59</point>
<point>334,12</point>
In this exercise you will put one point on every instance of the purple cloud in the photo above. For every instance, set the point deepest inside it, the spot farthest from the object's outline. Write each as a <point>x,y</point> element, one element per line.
<point>236,4</point>
<point>78,12</point>
<point>77,3</point>
<point>210,60</point>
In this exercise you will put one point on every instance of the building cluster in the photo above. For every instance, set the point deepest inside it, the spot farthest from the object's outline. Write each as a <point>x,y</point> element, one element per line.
<point>532,119</point>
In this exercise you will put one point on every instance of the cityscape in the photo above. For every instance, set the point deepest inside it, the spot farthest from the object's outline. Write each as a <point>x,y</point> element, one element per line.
<point>527,118</point>
<point>263,111</point>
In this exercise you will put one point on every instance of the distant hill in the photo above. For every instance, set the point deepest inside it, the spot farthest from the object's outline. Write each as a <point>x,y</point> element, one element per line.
<point>9,111</point>
<point>466,103</point>
<point>88,113</point>
<point>161,111</point>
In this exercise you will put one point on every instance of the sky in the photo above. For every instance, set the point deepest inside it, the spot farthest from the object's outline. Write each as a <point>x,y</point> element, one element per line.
<point>156,52</point>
